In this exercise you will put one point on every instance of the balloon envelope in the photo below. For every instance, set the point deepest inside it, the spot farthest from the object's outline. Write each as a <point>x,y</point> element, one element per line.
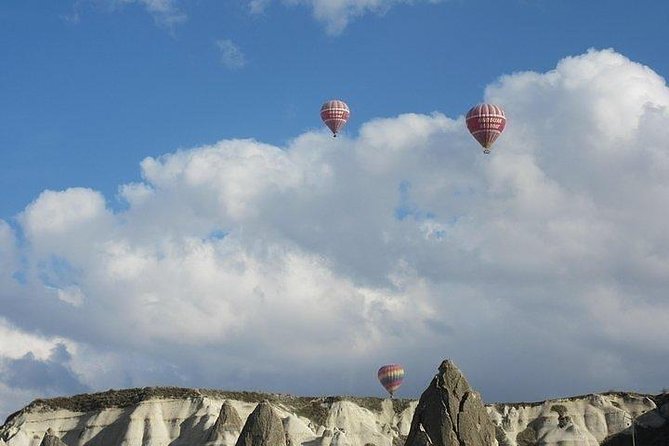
<point>334,114</point>
<point>391,377</point>
<point>486,122</point>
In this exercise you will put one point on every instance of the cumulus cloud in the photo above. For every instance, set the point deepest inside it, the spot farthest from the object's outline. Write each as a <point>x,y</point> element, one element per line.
<point>301,268</point>
<point>231,56</point>
<point>8,252</point>
<point>51,376</point>
<point>32,366</point>
<point>336,14</point>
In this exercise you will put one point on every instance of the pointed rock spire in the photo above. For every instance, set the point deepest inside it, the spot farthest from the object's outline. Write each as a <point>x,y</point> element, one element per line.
<point>263,428</point>
<point>228,423</point>
<point>450,413</point>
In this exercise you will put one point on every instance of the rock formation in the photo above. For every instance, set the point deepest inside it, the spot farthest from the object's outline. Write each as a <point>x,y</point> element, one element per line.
<point>198,417</point>
<point>450,413</point>
<point>227,427</point>
<point>262,428</point>
<point>421,439</point>
<point>578,421</point>
<point>51,440</point>
<point>650,428</point>
<point>339,439</point>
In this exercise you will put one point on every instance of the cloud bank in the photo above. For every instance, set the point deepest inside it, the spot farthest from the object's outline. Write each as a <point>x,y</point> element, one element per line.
<point>541,269</point>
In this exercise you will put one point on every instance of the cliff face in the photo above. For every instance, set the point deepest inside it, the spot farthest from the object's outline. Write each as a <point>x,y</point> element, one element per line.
<point>187,417</point>
<point>650,429</point>
<point>579,421</point>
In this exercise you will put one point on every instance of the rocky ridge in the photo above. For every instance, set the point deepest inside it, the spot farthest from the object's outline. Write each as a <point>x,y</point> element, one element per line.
<point>449,413</point>
<point>586,420</point>
<point>650,428</point>
<point>188,417</point>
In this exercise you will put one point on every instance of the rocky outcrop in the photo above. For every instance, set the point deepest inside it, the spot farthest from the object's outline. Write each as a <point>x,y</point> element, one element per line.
<point>228,426</point>
<point>197,417</point>
<point>263,428</point>
<point>650,428</point>
<point>578,421</point>
<point>450,413</point>
<point>50,439</point>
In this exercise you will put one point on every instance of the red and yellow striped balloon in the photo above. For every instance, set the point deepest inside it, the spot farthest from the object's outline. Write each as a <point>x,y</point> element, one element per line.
<point>391,377</point>
<point>486,122</point>
<point>334,114</point>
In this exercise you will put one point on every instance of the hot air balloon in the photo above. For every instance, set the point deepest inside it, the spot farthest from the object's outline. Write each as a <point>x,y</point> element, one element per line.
<point>391,377</point>
<point>334,114</point>
<point>486,122</point>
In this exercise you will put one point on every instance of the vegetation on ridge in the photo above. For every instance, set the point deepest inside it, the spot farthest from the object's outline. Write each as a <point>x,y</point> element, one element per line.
<point>313,408</point>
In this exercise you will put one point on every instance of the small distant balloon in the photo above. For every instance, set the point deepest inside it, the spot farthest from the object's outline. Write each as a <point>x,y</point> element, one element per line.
<point>486,122</point>
<point>391,377</point>
<point>334,114</point>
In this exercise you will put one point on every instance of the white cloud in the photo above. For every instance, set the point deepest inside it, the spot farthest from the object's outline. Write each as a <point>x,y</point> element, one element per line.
<point>258,6</point>
<point>231,56</point>
<point>336,14</point>
<point>15,343</point>
<point>323,258</point>
<point>8,251</point>
<point>71,294</point>
<point>20,352</point>
<point>54,213</point>
<point>166,13</point>
<point>66,223</point>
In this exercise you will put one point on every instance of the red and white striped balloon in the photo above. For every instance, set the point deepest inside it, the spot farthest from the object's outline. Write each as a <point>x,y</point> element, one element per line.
<point>486,122</point>
<point>334,114</point>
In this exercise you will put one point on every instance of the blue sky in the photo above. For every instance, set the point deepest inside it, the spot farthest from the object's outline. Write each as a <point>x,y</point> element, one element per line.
<point>84,102</point>
<point>169,195</point>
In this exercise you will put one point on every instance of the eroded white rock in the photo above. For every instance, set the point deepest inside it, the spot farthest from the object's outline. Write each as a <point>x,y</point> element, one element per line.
<point>580,421</point>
